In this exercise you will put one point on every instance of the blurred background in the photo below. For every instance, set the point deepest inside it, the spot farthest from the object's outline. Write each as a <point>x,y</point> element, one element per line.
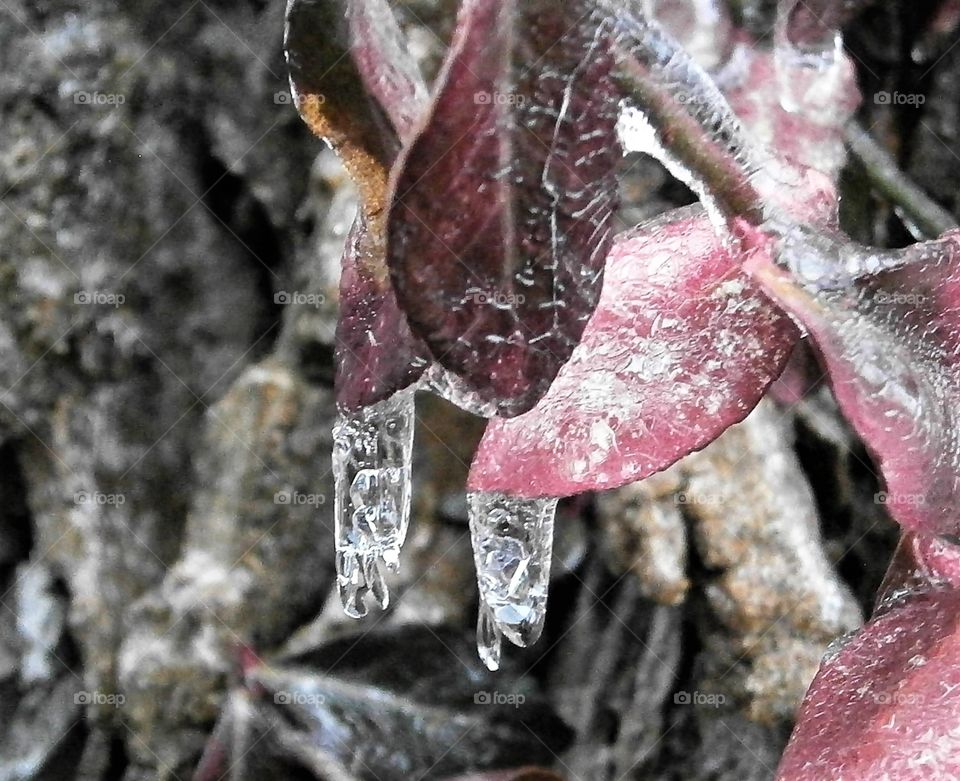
<point>170,236</point>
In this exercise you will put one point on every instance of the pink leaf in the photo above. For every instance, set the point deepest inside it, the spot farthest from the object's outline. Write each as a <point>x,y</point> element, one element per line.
<point>682,346</point>
<point>887,704</point>
<point>891,348</point>
<point>502,204</point>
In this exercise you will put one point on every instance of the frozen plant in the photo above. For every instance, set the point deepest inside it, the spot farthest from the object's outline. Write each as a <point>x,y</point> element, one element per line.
<point>485,265</point>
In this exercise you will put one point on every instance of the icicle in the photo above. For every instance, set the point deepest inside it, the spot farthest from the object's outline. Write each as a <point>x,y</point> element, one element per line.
<point>371,462</point>
<point>512,547</point>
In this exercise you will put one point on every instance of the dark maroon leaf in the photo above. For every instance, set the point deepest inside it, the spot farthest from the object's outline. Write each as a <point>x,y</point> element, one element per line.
<point>377,354</point>
<point>356,87</point>
<point>681,347</point>
<point>500,221</point>
<point>886,705</point>
<point>890,345</point>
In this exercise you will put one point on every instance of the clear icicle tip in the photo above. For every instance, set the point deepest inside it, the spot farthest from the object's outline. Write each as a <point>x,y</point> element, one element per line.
<point>512,549</point>
<point>372,450</point>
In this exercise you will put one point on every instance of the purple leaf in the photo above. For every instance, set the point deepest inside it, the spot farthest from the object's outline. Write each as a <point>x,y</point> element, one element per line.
<point>681,347</point>
<point>886,705</point>
<point>358,89</point>
<point>890,345</point>
<point>500,221</point>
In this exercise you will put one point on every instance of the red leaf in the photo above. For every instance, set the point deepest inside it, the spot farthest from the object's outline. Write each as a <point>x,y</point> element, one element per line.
<point>891,348</point>
<point>681,347</point>
<point>887,705</point>
<point>501,214</point>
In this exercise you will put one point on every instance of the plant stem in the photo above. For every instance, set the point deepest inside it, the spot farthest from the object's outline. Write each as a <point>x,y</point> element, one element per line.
<point>884,174</point>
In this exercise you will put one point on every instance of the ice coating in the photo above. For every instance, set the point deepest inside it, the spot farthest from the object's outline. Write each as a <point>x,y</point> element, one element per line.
<point>891,345</point>
<point>682,346</point>
<point>884,707</point>
<point>503,203</point>
<point>921,562</point>
<point>371,462</point>
<point>449,386</point>
<point>512,549</point>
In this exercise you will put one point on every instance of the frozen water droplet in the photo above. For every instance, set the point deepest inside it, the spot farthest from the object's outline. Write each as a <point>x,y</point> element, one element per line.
<point>371,461</point>
<point>512,547</point>
<point>488,638</point>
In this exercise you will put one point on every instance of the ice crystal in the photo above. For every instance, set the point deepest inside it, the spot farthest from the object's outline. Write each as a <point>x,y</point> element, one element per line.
<point>371,461</point>
<point>512,546</point>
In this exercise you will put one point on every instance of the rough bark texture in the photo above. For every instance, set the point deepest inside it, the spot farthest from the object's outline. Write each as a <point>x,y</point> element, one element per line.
<point>165,413</point>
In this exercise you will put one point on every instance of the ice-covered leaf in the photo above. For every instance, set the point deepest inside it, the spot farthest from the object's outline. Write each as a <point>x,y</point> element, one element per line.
<point>682,346</point>
<point>890,343</point>
<point>359,90</point>
<point>356,707</point>
<point>886,704</point>
<point>377,354</point>
<point>501,215</point>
